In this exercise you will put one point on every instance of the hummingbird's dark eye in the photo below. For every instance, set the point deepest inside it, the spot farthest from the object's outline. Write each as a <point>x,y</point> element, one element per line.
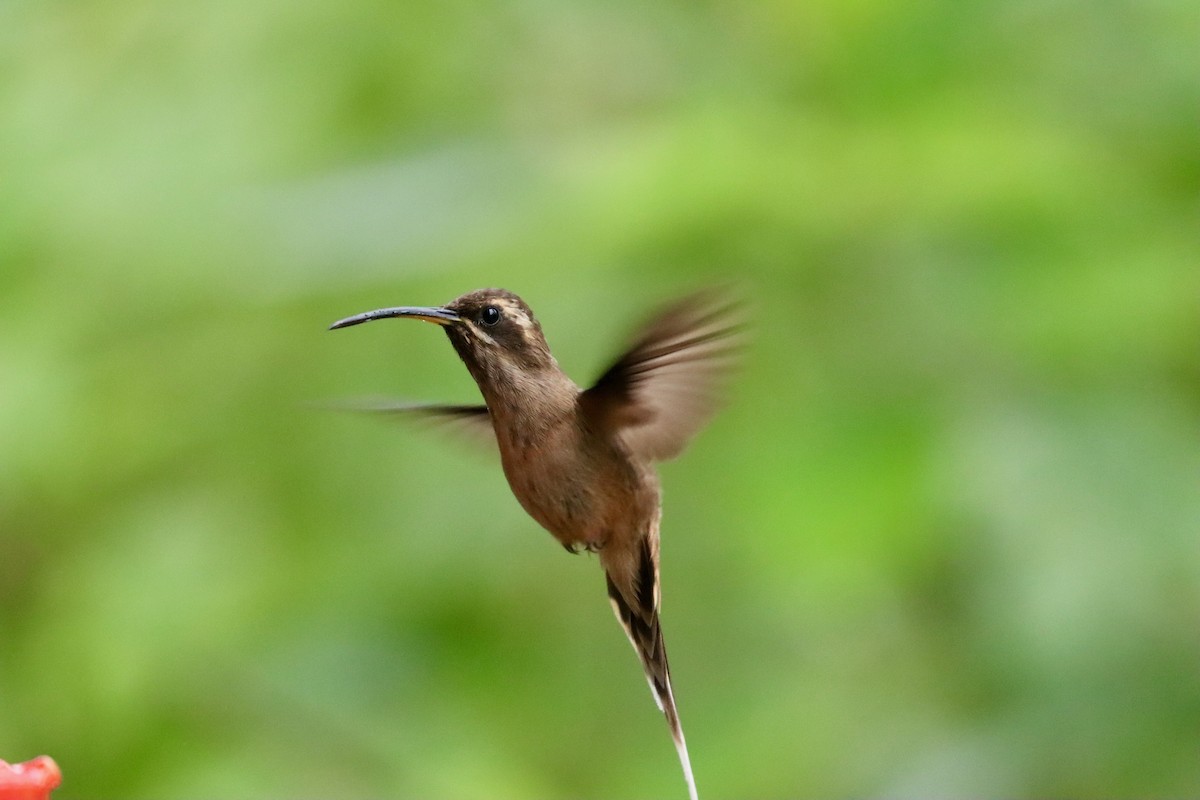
<point>490,315</point>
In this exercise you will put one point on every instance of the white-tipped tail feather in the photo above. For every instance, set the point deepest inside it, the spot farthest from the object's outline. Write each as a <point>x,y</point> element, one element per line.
<point>633,594</point>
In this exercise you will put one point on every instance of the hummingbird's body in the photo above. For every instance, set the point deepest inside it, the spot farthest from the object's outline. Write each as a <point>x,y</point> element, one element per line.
<point>580,462</point>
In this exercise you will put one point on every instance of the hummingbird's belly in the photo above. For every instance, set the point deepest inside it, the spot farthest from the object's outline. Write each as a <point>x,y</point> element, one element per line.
<point>582,502</point>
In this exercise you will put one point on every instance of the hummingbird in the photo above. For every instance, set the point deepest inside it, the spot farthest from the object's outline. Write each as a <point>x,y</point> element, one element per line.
<point>581,461</point>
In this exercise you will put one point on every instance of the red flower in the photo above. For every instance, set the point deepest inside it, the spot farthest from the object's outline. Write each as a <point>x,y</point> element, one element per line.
<point>33,780</point>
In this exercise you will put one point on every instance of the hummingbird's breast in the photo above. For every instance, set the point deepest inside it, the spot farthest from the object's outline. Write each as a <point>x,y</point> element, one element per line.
<point>582,488</point>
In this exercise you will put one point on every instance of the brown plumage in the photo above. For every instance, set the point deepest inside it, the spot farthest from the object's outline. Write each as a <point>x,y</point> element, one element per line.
<point>581,462</point>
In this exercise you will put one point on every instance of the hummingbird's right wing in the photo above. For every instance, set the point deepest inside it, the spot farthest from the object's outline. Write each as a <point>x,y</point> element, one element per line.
<point>473,423</point>
<point>666,385</point>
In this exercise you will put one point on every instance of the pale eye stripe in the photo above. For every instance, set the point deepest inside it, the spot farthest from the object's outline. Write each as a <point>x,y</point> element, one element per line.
<point>514,312</point>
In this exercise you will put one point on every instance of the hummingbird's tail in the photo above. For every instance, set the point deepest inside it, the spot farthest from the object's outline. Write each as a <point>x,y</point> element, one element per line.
<point>634,594</point>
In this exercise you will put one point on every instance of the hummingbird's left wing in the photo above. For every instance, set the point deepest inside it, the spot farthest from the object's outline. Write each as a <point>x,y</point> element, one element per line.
<point>663,389</point>
<point>471,422</point>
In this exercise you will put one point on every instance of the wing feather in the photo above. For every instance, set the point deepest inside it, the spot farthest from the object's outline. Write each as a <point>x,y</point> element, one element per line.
<point>471,422</point>
<point>667,384</point>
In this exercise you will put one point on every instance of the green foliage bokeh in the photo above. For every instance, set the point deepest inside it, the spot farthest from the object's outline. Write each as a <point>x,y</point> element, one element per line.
<point>941,542</point>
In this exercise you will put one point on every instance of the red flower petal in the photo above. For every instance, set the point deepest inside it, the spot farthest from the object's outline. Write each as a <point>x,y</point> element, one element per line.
<point>32,780</point>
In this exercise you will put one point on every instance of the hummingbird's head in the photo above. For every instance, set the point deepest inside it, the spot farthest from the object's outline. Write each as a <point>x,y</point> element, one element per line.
<point>493,330</point>
<point>496,332</point>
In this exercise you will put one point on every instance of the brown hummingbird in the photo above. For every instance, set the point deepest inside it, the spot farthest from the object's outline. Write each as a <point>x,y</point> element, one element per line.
<point>580,462</point>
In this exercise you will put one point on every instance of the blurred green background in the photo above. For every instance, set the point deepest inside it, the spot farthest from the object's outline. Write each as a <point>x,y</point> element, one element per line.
<point>942,542</point>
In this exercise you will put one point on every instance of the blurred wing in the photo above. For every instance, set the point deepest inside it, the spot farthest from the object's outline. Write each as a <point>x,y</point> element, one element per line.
<point>667,385</point>
<point>473,423</point>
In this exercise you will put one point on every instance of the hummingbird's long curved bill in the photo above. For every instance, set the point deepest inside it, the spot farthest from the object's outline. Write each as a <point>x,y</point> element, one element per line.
<point>438,316</point>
